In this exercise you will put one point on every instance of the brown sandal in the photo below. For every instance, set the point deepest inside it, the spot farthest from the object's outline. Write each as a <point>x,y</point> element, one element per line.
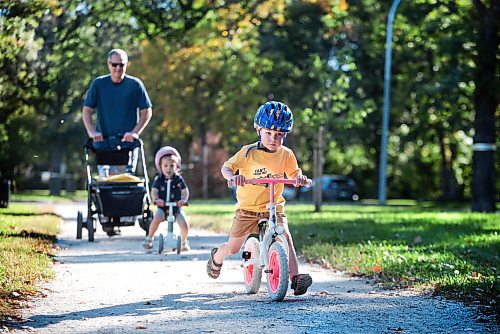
<point>213,268</point>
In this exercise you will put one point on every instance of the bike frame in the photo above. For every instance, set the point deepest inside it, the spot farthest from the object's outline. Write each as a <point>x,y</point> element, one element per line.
<point>170,240</point>
<point>273,231</point>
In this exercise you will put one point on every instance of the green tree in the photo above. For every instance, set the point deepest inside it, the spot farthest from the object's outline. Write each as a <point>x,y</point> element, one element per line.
<point>432,88</point>
<point>18,49</point>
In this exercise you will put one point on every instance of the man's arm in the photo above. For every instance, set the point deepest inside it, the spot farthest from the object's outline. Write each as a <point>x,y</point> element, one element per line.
<point>87,122</point>
<point>144,118</point>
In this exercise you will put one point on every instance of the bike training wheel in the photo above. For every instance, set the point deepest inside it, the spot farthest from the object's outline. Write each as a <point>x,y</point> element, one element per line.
<point>179,244</point>
<point>277,272</point>
<point>90,228</point>
<point>79,225</point>
<point>252,275</point>
<point>160,243</point>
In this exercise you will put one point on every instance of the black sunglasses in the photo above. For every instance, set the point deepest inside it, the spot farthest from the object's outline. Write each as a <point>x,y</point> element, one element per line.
<point>118,64</point>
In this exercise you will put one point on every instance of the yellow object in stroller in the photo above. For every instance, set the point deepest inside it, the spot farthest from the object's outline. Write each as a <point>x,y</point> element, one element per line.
<point>116,200</point>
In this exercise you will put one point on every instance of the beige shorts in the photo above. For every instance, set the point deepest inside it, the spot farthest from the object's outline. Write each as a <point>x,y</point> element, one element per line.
<point>246,222</point>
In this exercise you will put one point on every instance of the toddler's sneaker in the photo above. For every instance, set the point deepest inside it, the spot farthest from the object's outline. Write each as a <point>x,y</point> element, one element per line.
<point>185,246</point>
<point>300,283</point>
<point>148,243</point>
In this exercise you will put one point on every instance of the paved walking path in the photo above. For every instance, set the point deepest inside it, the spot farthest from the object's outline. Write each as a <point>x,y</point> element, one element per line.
<point>113,285</point>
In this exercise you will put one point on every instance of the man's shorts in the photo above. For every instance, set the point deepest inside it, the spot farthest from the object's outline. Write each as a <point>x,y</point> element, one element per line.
<point>246,222</point>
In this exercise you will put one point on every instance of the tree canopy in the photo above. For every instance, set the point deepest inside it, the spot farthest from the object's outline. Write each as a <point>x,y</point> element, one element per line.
<point>208,65</point>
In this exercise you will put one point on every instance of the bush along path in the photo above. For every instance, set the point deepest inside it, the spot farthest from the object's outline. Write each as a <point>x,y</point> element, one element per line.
<point>114,286</point>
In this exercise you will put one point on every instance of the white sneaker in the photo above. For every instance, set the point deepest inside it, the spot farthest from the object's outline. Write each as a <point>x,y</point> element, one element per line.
<point>185,245</point>
<point>148,243</point>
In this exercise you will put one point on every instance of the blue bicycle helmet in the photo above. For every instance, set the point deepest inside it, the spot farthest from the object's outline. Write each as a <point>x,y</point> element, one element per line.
<point>274,116</point>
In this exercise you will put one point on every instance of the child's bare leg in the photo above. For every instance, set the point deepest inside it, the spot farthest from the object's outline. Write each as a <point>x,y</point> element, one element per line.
<point>300,282</point>
<point>157,219</point>
<point>183,225</point>
<point>232,246</point>
<point>293,261</point>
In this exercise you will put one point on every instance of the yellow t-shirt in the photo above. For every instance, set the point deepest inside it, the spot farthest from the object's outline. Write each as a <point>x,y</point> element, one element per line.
<point>258,164</point>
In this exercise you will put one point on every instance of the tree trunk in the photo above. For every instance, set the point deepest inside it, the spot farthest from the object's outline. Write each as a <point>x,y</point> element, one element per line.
<point>4,193</point>
<point>486,102</point>
<point>318,172</point>
<point>204,160</point>
<point>450,190</point>
<point>55,183</point>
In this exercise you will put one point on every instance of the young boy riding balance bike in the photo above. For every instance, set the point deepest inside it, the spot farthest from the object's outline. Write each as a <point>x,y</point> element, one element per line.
<point>267,158</point>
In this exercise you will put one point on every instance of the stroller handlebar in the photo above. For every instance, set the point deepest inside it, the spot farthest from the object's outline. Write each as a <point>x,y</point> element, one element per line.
<point>112,143</point>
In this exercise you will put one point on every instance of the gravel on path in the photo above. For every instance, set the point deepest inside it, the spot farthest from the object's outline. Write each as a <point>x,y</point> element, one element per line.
<point>113,285</point>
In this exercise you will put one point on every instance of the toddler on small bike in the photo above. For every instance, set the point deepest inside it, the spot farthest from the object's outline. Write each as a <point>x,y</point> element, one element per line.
<point>267,158</point>
<point>168,163</point>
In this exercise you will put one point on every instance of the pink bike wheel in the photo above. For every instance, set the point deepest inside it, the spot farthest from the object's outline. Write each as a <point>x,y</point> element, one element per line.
<point>278,272</point>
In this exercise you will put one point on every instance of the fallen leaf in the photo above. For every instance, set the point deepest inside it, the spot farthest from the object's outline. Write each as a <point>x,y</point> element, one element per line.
<point>325,264</point>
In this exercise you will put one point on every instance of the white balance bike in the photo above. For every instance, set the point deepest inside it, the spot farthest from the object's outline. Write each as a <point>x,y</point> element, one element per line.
<point>171,241</point>
<point>268,251</point>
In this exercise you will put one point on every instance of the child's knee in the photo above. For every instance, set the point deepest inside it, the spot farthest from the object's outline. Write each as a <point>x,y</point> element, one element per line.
<point>233,250</point>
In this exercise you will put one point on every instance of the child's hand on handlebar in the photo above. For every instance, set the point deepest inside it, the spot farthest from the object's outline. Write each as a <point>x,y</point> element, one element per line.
<point>301,180</point>
<point>182,203</point>
<point>238,180</point>
<point>160,202</point>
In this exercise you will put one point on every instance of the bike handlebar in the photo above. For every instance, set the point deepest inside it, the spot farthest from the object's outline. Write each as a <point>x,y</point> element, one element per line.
<point>167,204</point>
<point>268,180</point>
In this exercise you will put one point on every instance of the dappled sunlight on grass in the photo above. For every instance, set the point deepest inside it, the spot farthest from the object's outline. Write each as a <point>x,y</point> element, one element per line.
<point>452,252</point>
<point>26,240</point>
<point>44,196</point>
<point>455,253</point>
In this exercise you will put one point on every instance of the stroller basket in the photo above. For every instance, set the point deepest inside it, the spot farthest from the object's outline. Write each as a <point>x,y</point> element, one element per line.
<point>121,199</point>
<point>112,157</point>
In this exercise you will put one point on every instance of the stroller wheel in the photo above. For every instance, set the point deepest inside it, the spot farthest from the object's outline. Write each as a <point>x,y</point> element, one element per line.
<point>144,223</point>
<point>179,245</point>
<point>90,228</point>
<point>113,231</point>
<point>79,225</point>
<point>160,243</point>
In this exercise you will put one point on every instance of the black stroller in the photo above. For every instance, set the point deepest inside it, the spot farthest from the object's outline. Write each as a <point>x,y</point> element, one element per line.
<point>121,200</point>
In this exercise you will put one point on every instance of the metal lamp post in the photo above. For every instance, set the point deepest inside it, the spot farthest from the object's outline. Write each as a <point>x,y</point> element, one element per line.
<point>385,115</point>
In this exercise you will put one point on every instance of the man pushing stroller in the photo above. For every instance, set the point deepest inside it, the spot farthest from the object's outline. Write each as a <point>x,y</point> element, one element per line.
<point>122,105</point>
<point>123,109</point>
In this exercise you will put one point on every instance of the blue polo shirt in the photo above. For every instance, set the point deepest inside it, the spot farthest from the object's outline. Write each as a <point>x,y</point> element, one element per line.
<point>117,104</point>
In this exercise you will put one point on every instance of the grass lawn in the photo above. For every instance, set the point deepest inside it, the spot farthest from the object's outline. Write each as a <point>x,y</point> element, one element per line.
<point>43,196</point>
<point>27,235</point>
<point>446,250</point>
